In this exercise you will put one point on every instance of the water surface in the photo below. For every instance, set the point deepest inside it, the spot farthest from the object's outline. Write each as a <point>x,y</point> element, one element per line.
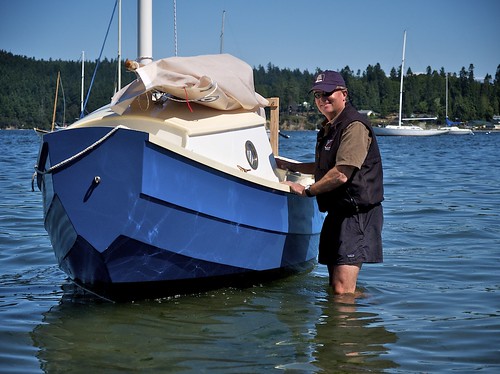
<point>432,306</point>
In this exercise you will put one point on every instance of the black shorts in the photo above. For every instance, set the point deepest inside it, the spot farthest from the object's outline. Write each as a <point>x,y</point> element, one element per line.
<point>352,240</point>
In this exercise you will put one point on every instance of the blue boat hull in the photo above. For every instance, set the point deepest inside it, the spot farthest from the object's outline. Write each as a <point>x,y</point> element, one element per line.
<point>128,216</point>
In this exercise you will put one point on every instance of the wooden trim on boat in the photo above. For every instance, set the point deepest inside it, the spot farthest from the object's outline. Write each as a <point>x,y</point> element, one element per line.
<point>274,123</point>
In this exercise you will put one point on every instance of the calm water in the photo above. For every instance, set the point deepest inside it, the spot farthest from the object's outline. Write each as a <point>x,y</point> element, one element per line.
<point>432,306</point>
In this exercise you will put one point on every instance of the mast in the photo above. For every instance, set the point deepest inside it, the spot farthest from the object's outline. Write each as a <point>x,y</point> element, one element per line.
<point>64,103</point>
<point>446,96</point>
<point>401,84</point>
<point>175,28</point>
<point>83,76</point>
<point>222,32</point>
<point>119,45</point>
<point>55,101</point>
<point>145,33</point>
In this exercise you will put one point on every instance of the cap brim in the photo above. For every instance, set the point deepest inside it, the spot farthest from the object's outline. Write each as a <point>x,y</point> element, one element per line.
<point>323,87</point>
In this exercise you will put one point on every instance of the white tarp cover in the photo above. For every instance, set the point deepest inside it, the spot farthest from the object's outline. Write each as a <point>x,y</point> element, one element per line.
<point>220,81</point>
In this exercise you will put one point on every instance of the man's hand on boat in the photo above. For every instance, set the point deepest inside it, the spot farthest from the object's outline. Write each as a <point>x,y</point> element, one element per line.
<point>296,188</point>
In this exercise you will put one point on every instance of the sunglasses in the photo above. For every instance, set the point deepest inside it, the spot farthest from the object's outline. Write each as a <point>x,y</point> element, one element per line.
<point>319,95</point>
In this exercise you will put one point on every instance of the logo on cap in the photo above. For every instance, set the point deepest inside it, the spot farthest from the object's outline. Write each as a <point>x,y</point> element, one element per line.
<point>320,78</point>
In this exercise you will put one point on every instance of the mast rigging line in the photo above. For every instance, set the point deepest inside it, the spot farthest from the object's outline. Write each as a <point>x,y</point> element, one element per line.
<point>98,61</point>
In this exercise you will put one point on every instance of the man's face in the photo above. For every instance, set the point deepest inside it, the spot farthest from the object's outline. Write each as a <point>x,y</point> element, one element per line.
<point>330,104</point>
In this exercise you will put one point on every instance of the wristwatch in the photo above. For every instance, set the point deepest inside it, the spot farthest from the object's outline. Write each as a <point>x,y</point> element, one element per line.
<point>307,190</point>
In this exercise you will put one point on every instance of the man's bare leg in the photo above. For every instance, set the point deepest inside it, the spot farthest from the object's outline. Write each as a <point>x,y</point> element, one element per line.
<point>343,278</point>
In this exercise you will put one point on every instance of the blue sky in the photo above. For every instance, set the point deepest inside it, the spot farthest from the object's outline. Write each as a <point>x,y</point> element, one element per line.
<point>328,34</point>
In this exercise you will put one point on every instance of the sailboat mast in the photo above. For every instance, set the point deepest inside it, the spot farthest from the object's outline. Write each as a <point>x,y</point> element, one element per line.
<point>401,84</point>
<point>119,45</point>
<point>175,28</point>
<point>145,36</point>
<point>55,101</point>
<point>446,96</point>
<point>83,77</point>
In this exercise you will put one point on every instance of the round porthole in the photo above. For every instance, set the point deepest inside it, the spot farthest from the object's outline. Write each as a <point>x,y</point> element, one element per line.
<point>251,153</point>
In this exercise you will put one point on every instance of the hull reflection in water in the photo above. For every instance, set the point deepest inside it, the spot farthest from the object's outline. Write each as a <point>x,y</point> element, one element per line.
<point>281,325</point>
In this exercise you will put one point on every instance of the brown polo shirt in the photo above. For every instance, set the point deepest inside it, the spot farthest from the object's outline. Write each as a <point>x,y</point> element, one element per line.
<point>354,145</point>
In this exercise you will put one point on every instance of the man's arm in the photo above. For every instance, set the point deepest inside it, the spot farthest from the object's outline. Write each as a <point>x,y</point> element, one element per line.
<point>333,179</point>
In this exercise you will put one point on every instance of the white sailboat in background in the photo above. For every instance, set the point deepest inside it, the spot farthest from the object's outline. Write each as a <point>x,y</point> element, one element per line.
<point>451,126</point>
<point>406,130</point>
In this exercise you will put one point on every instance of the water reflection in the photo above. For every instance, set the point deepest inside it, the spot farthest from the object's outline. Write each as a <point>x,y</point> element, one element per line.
<point>292,324</point>
<point>348,339</point>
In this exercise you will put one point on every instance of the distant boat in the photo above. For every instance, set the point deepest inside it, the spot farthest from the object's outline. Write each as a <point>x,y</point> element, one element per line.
<point>451,126</point>
<point>40,132</point>
<point>54,126</point>
<point>400,129</point>
<point>279,133</point>
<point>406,130</point>
<point>455,130</point>
<point>173,187</point>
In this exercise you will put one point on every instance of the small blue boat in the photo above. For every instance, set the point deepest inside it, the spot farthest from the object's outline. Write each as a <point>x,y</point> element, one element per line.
<point>174,188</point>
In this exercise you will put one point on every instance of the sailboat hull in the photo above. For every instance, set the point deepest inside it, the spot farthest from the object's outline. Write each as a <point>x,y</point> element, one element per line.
<point>455,130</point>
<point>406,131</point>
<point>130,216</point>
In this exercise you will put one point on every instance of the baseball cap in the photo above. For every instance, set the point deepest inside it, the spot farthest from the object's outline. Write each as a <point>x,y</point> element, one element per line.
<point>328,81</point>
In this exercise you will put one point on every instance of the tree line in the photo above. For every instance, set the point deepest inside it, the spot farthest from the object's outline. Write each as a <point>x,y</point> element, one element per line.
<point>27,91</point>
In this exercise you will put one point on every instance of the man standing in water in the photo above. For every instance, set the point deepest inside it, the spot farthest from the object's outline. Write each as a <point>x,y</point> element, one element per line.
<point>348,185</point>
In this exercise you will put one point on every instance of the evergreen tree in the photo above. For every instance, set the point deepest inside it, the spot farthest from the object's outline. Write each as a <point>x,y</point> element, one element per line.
<point>27,91</point>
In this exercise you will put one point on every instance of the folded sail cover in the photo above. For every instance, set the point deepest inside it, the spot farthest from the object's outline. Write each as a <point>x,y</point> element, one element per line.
<point>221,81</point>
<point>451,123</point>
